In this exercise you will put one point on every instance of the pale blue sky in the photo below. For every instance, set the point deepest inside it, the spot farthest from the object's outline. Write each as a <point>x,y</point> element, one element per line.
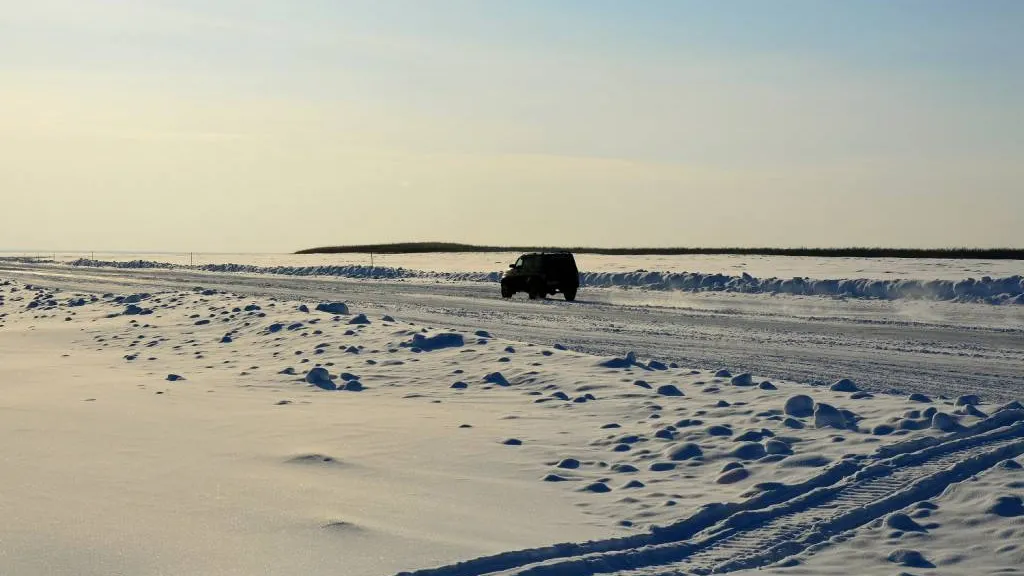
<point>261,125</point>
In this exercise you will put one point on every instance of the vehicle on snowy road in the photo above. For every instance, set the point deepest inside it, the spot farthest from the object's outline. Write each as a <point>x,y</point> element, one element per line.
<point>540,274</point>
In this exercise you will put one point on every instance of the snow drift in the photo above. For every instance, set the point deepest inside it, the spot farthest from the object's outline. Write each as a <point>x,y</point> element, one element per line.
<point>1009,290</point>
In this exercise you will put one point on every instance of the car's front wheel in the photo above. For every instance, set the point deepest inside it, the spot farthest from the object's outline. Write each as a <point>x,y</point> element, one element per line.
<point>506,291</point>
<point>570,294</point>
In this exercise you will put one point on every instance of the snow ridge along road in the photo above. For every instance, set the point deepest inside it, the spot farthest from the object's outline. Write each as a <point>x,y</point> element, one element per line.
<point>937,348</point>
<point>777,525</point>
<point>1008,290</point>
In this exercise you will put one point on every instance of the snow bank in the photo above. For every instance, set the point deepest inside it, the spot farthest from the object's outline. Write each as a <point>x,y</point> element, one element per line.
<point>987,289</point>
<point>1009,290</point>
<point>342,271</point>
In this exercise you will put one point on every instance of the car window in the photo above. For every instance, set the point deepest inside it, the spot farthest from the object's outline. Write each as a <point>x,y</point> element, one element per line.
<point>519,263</point>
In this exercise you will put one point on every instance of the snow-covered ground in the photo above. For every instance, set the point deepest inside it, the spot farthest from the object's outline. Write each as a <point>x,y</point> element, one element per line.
<point>171,421</point>
<point>886,345</point>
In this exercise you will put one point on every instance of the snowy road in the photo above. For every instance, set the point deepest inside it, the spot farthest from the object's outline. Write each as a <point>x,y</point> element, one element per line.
<point>929,347</point>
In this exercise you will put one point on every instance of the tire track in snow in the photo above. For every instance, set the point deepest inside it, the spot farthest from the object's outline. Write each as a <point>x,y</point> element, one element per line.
<point>774,526</point>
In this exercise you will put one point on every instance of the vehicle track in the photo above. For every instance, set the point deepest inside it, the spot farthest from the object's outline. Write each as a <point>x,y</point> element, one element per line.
<point>855,505</point>
<point>766,530</point>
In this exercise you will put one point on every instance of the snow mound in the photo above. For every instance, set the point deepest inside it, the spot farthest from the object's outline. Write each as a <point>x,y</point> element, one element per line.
<point>844,385</point>
<point>910,558</point>
<point>332,307</point>
<point>745,379</point>
<point>1007,507</point>
<point>968,400</point>
<point>625,362</point>
<point>944,422</point>
<point>596,487</point>
<point>777,447</point>
<point>827,416</point>
<point>669,390</point>
<point>749,451</point>
<point>800,405</point>
<point>496,378</point>
<point>320,378</point>
<point>686,451</point>
<point>436,342</point>
<point>733,476</point>
<point>902,522</point>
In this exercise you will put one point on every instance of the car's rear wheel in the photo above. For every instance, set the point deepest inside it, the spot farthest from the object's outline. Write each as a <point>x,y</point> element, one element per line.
<point>570,294</point>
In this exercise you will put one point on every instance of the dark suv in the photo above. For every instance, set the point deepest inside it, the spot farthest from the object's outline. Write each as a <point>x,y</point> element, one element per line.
<point>540,274</point>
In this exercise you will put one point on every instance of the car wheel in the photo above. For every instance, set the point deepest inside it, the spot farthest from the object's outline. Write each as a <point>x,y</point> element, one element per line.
<point>570,294</point>
<point>506,292</point>
<point>535,290</point>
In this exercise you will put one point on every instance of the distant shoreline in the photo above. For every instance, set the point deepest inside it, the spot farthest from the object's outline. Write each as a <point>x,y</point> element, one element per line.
<point>853,252</point>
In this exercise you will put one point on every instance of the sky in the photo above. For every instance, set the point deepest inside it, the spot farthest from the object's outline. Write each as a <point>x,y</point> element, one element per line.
<point>269,126</point>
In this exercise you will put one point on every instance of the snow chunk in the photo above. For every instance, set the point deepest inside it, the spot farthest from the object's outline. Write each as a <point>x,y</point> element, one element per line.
<point>1007,506</point>
<point>745,379</point>
<point>845,385</point>
<point>436,342</point>
<point>909,558</point>
<point>826,415</point>
<point>903,523</point>
<point>669,390</point>
<point>944,422</point>
<point>748,451</point>
<point>968,400</point>
<point>332,307</point>
<point>800,406</point>
<point>686,451</point>
<point>626,362</point>
<point>496,378</point>
<point>733,476</point>
<point>320,378</point>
